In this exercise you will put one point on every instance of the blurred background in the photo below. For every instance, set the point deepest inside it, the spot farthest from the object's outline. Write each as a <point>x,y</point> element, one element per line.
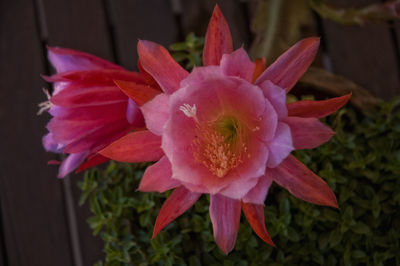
<point>40,220</point>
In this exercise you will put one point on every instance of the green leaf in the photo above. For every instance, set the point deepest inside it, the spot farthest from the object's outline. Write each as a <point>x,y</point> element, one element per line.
<point>335,238</point>
<point>361,228</point>
<point>359,254</point>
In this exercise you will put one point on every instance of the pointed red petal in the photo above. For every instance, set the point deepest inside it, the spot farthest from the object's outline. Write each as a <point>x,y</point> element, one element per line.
<point>290,66</point>
<point>255,216</point>
<point>261,65</point>
<point>218,39</point>
<point>90,96</point>
<point>177,203</point>
<point>98,138</point>
<point>139,146</point>
<point>157,61</point>
<point>148,78</point>
<point>308,133</point>
<point>158,177</point>
<point>317,109</point>
<point>53,162</point>
<point>70,163</point>
<point>92,162</point>
<point>225,217</point>
<point>303,183</point>
<point>97,77</point>
<point>139,93</point>
<point>71,60</point>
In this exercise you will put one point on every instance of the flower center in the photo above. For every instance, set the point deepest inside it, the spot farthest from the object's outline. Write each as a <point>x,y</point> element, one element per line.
<point>220,144</point>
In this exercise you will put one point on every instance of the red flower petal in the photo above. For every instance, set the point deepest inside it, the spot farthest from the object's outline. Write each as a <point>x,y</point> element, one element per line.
<point>99,137</point>
<point>261,65</point>
<point>317,109</point>
<point>255,216</point>
<point>157,61</point>
<point>92,161</point>
<point>177,203</point>
<point>291,65</point>
<point>303,183</point>
<point>139,93</point>
<point>158,177</point>
<point>96,77</point>
<point>70,163</point>
<point>225,217</point>
<point>139,146</point>
<point>79,97</point>
<point>68,131</point>
<point>218,39</point>
<point>148,78</point>
<point>101,113</point>
<point>71,60</point>
<point>308,133</point>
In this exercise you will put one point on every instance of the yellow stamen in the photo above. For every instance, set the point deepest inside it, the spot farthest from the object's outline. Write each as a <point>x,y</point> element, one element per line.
<point>220,145</point>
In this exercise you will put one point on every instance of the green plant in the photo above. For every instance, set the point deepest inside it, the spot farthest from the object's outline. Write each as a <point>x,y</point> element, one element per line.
<point>188,53</point>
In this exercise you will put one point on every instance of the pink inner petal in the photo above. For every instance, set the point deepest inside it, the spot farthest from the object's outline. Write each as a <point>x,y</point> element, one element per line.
<point>258,194</point>
<point>281,146</point>
<point>276,96</point>
<point>238,64</point>
<point>158,177</point>
<point>239,188</point>
<point>231,96</point>
<point>225,217</point>
<point>156,113</point>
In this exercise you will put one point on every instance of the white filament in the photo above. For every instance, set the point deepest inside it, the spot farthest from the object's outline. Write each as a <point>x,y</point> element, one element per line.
<point>44,106</point>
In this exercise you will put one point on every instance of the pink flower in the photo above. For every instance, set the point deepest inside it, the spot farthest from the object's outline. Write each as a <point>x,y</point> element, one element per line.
<point>89,111</point>
<point>225,130</point>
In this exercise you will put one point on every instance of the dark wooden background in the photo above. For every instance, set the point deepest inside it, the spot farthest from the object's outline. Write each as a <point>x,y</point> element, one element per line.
<point>40,221</point>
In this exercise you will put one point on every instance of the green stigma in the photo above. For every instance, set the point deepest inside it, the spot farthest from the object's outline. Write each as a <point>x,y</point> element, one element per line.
<point>229,127</point>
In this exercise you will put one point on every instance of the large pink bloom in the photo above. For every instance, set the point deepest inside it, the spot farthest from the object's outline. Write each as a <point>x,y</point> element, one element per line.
<point>225,130</point>
<point>89,111</point>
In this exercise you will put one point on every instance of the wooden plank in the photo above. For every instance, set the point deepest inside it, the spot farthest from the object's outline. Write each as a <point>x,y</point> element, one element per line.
<point>3,250</point>
<point>32,201</point>
<point>81,25</point>
<point>197,13</point>
<point>78,24</point>
<point>141,19</point>
<point>366,55</point>
<point>395,31</point>
<point>91,246</point>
